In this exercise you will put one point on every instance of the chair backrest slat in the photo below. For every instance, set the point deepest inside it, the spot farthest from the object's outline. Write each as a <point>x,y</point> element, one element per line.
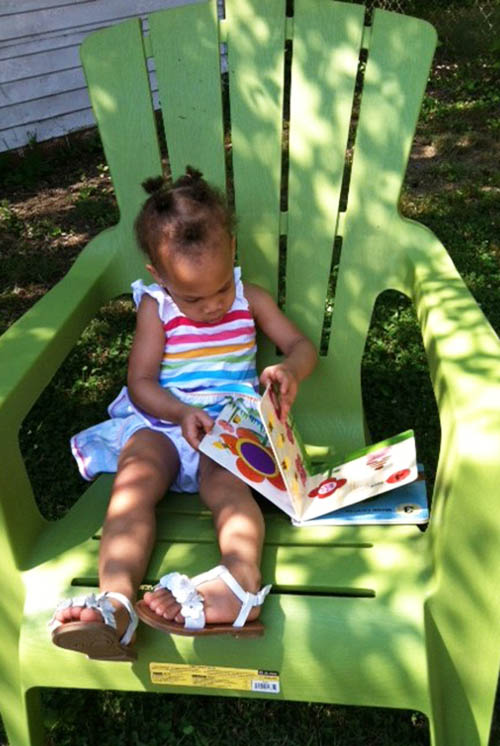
<point>115,66</point>
<point>185,44</point>
<point>326,46</point>
<point>399,58</point>
<point>256,41</point>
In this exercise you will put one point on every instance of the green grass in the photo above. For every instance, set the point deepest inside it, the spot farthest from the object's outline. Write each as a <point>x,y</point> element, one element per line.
<point>57,196</point>
<point>169,720</point>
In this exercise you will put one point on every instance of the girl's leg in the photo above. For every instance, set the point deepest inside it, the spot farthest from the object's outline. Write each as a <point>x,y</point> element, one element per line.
<point>240,533</point>
<point>148,464</point>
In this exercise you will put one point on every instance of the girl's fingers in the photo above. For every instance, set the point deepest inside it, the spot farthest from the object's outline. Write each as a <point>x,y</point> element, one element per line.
<point>275,374</point>
<point>201,424</point>
<point>205,421</point>
<point>284,383</point>
<point>192,436</point>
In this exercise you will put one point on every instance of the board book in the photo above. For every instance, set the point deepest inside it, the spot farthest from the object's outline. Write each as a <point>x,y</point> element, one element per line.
<point>249,439</point>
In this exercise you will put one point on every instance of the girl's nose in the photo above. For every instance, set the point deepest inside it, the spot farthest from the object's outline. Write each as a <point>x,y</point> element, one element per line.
<point>212,308</point>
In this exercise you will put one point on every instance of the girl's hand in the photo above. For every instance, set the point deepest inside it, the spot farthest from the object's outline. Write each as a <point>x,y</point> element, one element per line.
<point>195,423</point>
<point>287,382</point>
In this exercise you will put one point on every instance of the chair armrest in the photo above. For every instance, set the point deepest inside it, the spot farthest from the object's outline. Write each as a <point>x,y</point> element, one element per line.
<point>31,351</point>
<point>463,605</point>
<point>464,359</point>
<point>463,352</point>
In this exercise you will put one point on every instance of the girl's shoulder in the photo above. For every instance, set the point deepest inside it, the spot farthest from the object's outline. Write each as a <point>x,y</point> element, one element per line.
<point>256,296</point>
<point>165,304</point>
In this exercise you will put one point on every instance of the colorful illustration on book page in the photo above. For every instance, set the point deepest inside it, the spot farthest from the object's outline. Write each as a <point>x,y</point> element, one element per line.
<point>378,469</point>
<point>238,442</point>
<point>287,448</point>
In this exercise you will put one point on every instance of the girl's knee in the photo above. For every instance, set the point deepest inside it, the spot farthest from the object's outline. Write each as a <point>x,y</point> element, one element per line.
<point>147,466</point>
<point>147,450</point>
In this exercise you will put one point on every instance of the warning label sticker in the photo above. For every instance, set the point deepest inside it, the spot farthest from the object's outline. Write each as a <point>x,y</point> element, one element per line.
<point>215,677</point>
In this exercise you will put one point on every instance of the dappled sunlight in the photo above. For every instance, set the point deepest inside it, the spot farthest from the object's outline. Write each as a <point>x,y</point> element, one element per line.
<point>357,615</point>
<point>77,563</point>
<point>105,100</point>
<point>260,30</point>
<point>42,334</point>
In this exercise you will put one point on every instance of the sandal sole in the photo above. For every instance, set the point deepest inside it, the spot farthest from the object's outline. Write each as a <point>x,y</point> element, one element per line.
<point>98,641</point>
<point>146,615</point>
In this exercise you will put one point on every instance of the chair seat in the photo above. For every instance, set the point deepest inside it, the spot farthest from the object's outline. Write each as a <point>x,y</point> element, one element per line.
<point>349,596</point>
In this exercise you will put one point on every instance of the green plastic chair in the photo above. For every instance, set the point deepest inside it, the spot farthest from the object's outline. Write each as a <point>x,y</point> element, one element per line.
<point>378,616</point>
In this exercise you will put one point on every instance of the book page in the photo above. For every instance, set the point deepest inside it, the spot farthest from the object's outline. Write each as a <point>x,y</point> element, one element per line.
<point>287,447</point>
<point>366,473</point>
<point>238,442</point>
<point>403,505</point>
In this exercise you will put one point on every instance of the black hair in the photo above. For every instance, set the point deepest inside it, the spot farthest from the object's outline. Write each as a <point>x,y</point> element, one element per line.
<point>185,214</point>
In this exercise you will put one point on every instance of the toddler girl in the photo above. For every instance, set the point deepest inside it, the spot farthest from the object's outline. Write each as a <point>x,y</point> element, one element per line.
<point>194,345</point>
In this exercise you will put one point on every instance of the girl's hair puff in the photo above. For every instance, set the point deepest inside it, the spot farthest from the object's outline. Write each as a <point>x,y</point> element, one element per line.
<point>184,214</point>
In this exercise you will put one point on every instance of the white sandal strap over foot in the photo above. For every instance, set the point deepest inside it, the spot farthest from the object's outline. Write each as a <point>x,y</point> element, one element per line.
<point>103,605</point>
<point>184,590</point>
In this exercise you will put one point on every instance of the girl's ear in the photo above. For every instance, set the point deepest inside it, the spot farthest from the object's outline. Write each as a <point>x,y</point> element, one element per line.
<point>152,271</point>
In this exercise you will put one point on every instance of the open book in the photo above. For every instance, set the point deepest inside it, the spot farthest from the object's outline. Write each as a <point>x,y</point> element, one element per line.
<point>249,440</point>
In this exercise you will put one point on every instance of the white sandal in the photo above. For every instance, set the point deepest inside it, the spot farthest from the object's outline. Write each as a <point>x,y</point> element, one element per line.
<point>99,641</point>
<point>184,590</point>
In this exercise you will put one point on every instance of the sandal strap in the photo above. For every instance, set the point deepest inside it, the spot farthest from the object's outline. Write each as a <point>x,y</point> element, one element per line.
<point>184,590</point>
<point>248,600</point>
<point>133,618</point>
<point>103,605</point>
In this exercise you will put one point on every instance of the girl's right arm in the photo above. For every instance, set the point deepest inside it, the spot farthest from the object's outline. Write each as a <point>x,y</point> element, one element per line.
<point>143,372</point>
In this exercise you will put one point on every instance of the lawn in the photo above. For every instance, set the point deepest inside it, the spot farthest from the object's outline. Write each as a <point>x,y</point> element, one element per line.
<point>56,196</point>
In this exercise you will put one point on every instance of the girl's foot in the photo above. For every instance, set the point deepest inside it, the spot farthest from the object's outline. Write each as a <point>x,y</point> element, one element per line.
<point>103,626</point>
<point>221,605</point>
<point>86,614</point>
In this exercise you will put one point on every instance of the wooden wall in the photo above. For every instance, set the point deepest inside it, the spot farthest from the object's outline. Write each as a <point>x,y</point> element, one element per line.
<point>42,87</point>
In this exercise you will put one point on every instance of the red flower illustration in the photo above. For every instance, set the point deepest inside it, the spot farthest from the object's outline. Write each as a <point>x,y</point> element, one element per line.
<point>226,426</point>
<point>300,468</point>
<point>289,433</point>
<point>255,460</point>
<point>327,487</point>
<point>398,476</point>
<point>275,400</point>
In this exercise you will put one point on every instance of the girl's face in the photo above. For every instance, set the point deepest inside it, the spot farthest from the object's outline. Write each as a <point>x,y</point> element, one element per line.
<point>202,287</point>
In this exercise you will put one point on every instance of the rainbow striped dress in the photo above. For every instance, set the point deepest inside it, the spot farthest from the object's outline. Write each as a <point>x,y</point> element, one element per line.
<point>203,365</point>
<point>201,357</point>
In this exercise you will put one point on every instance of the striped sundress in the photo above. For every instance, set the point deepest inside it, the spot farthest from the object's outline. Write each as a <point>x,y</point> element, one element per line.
<point>203,364</point>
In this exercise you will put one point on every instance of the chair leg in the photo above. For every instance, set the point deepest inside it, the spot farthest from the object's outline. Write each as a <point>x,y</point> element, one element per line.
<point>22,718</point>
<point>444,733</point>
<point>462,694</point>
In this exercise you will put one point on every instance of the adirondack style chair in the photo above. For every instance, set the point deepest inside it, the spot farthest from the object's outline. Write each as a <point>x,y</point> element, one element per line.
<point>373,615</point>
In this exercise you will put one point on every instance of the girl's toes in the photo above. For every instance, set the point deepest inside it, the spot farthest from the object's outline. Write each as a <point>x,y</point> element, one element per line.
<point>163,603</point>
<point>77,614</point>
<point>160,601</point>
<point>168,608</point>
<point>90,615</point>
<point>154,599</point>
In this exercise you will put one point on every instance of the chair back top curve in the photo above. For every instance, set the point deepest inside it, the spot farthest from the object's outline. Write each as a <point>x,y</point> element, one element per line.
<point>308,123</point>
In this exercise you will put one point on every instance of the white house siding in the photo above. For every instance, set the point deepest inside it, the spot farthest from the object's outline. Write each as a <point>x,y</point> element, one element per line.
<point>42,86</point>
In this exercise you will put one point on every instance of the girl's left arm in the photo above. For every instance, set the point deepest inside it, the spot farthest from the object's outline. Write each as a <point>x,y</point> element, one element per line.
<point>300,354</point>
